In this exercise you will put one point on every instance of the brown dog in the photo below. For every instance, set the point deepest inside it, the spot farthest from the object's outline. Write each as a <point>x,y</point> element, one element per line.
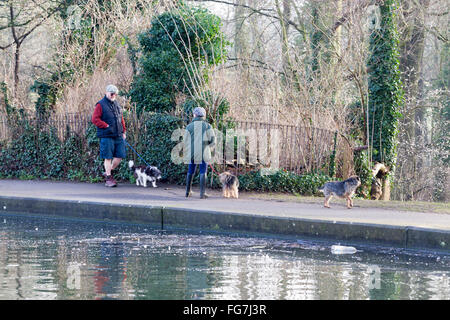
<point>230,185</point>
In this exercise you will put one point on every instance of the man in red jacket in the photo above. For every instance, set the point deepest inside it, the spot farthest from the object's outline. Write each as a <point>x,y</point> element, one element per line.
<point>111,131</point>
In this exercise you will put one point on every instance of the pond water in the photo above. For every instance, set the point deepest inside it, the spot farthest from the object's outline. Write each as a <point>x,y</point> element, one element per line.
<point>44,258</point>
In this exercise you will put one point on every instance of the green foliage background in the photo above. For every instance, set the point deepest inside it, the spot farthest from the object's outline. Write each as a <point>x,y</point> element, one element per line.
<point>177,52</point>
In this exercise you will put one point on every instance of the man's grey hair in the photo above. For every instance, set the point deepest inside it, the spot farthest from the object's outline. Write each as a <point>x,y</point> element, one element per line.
<point>112,88</point>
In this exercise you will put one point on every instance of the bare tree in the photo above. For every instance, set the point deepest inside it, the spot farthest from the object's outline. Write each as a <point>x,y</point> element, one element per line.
<point>22,18</point>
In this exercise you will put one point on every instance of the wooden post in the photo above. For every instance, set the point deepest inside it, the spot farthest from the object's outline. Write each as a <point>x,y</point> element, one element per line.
<point>386,196</point>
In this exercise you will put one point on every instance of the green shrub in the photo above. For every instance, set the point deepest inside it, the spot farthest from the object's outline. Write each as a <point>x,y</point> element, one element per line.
<point>155,146</point>
<point>177,52</point>
<point>283,181</point>
<point>39,154</point>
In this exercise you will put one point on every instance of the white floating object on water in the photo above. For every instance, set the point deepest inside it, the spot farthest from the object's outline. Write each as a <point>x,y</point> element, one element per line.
<point>335,249</point>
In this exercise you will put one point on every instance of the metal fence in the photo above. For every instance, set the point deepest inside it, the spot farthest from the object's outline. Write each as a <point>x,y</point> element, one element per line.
<point>298,149</point>
<point>63,124</point>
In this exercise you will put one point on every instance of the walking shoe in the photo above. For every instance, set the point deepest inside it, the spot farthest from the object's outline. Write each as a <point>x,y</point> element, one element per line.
<point>110,182</point>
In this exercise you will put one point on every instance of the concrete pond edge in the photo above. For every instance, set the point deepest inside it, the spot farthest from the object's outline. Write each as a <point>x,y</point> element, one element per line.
<point>171,218</point>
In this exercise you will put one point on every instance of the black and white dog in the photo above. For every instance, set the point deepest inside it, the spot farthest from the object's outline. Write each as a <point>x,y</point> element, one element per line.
<point>144,174</point>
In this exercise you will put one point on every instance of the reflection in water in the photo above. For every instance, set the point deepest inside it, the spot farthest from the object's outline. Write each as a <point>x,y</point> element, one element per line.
<point>61,259</point>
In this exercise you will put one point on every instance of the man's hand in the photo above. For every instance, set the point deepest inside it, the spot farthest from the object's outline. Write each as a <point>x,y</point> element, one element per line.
<point>124,136</point>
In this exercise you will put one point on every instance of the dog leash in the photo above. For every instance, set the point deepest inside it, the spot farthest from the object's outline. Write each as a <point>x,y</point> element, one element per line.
<point>210,165</point>
<point>212,168</point>
<point>135,152</point>
<point>214,171</point>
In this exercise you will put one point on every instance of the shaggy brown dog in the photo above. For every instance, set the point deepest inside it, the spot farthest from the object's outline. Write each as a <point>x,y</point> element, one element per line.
<point>230,185</point>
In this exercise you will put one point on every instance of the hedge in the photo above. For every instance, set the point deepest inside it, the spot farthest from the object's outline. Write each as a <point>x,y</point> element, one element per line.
<point>37,153</point>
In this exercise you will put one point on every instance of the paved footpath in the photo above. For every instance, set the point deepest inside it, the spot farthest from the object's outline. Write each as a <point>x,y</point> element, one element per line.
<point>172,197</point>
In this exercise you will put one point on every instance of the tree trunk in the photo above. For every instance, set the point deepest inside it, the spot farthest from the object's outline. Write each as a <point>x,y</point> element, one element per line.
<point>18,43</point>
<point>385,90</point>
<point>416,134</point>
<point>240,40</point>
<point>284,17</point>
<point>316,36</point>
<point>16,68</point>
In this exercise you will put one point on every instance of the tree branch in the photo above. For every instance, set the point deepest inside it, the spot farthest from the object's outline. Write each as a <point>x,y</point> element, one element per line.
<point>342,20</point>
<point>247,62</point>
<point>19,38</point>
<point>254,10</point>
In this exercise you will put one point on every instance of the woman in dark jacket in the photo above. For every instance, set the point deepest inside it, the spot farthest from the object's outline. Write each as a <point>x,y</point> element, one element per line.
<point>199,140</point>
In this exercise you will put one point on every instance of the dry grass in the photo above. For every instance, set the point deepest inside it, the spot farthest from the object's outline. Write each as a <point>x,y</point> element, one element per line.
<point>110,63</point>
<point>82,95</point>
<point>414,206</point>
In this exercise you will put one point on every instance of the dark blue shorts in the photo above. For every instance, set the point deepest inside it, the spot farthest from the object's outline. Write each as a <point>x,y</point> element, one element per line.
<point>203,167</point>
<point>112,148</point>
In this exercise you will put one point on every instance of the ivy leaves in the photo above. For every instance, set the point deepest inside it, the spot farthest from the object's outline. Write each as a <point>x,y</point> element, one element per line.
<point>385,87</point>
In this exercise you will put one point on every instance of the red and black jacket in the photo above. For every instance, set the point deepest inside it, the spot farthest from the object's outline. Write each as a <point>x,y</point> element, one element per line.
<point>108,119</point>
